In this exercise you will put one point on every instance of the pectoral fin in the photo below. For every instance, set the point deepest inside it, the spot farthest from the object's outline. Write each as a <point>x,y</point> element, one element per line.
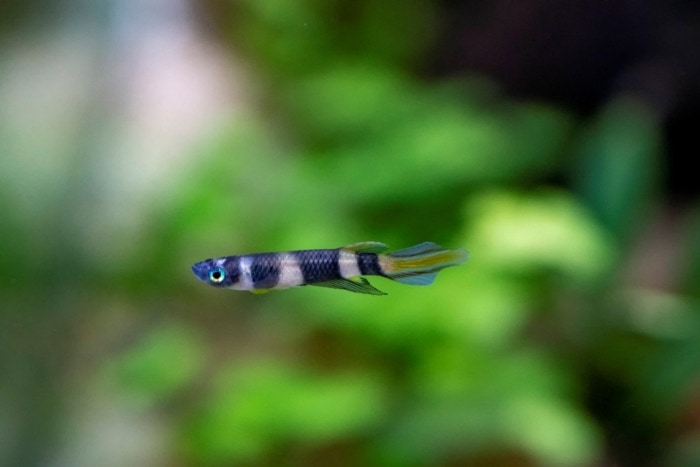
<point>259,291</point>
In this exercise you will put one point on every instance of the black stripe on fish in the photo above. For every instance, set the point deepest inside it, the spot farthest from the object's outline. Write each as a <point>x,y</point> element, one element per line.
<point>265,270</point>
<point>233,271</point>
<point>369,264</point>
<point>318,265</point>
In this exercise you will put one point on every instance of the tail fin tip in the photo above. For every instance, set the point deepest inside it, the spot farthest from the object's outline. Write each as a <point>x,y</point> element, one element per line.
<point>419,264</point>
<point>421,279</point>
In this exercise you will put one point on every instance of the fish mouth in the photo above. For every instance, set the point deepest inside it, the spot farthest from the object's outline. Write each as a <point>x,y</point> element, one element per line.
<point>201,270</point>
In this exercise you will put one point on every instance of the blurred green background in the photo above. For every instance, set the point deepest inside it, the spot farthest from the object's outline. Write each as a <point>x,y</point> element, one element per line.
<point>550,139</point>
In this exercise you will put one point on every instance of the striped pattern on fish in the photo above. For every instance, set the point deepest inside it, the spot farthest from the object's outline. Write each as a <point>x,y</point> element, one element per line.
<point>340,268</point>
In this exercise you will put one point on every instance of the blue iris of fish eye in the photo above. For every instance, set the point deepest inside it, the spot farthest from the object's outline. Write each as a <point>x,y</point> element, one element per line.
<point>217,275</point>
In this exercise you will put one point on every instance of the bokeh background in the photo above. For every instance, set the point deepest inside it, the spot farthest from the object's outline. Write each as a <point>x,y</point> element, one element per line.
<point>556,141</point>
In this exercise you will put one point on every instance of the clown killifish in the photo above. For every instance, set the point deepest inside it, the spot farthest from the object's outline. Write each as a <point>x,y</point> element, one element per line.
<point>339,268</point>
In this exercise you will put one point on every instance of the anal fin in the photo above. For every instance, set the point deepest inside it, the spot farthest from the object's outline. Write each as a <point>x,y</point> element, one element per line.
<point>357,284</point>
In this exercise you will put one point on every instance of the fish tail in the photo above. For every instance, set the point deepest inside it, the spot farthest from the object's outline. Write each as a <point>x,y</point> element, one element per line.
<point>419,264</point>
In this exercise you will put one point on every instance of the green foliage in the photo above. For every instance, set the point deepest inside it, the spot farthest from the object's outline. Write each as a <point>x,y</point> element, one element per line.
<point>291,38</point>
<point>157,367</point>
<point>553,232</point>
<point>263,407</point>
<point>618,165</point>
<point>534,352</point>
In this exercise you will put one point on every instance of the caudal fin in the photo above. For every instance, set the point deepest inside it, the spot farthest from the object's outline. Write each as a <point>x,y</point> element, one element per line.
<point>419,264</point>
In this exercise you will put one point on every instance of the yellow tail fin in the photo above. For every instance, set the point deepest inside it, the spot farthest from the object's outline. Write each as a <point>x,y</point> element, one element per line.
<point>419,264</point>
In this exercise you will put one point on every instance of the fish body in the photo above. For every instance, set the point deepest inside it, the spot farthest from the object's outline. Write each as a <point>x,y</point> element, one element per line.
<point>341,268</point>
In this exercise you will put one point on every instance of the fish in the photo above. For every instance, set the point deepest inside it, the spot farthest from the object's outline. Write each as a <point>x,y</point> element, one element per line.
<point>339,268</point>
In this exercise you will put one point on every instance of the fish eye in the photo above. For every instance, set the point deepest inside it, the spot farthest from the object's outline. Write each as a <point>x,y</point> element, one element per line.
<point>217,275</point>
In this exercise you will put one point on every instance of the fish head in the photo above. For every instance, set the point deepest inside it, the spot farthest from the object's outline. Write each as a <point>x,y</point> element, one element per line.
<point>219,272</point>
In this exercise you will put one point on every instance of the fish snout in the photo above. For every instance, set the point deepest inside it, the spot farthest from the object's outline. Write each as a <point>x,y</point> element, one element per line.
<point>201,270</point>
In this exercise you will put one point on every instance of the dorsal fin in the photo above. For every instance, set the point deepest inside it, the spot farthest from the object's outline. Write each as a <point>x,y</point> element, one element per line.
<point>366,247</point>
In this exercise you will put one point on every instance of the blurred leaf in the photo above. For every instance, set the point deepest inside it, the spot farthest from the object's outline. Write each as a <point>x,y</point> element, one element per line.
<point>159,366</point>
<point>685,452</point>
<point>553,431</point>
<point>502,403</point>
<point>673,372</point>
<point>618,165</point>
<point>358,101</point>
<point>543,230</point>
<point>449,146</point>
<point>690,261</point>
<point>293,38</point>
<point>258,409</point>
